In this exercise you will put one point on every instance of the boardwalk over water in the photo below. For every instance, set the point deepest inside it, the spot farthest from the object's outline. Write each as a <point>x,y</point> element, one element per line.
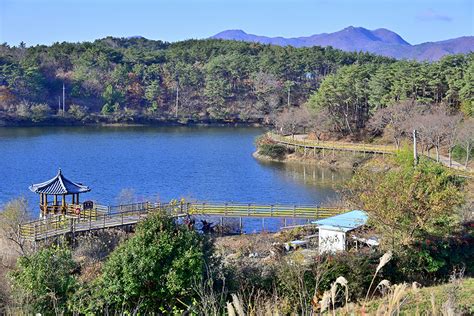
<point>326,147</point>
<point>131,214</point>
<point>299,142</point>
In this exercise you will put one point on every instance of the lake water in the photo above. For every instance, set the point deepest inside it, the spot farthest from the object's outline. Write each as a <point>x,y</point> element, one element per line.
<point>156,163</point>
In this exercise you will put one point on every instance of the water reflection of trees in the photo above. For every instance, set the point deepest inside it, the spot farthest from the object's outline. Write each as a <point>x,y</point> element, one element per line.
<point>315,175</point>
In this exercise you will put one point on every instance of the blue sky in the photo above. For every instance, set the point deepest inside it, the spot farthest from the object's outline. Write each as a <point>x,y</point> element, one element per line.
<point>45,22</point>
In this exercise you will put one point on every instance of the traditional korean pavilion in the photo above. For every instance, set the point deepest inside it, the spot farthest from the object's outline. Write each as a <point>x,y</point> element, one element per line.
<point>59,187</point>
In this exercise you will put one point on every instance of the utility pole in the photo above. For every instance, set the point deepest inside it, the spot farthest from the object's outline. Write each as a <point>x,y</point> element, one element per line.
<point>59,104</point>
<point>64,99</point>
<point>289,90</point>
<point>415,154</point>
<point>177,96</point>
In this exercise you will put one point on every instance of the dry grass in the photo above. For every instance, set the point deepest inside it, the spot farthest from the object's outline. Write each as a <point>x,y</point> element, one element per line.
<point>456,297</point>
<point>453,298</point>
<point>400,299</point>
<point>9,253</point>
<point>261,245</point>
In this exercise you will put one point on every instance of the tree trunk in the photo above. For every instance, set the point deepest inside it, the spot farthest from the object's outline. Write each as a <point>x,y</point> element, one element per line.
<point>450,160</point>
<point>289,96</point>
<point>177,98</point>
<point>437,153</point>
<point>346,118</point>
<point>468,152</point>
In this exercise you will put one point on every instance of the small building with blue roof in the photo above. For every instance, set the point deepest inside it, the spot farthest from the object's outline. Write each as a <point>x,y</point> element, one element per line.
<point>333,230</point>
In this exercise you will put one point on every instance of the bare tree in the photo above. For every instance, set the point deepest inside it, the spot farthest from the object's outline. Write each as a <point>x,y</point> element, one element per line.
<point>320,123</point>
<point>292,121</point>
<point>452,125</point>
<point>397,120</point>
<point>12,215</point>
<point>465,137</point>
<point>438,128</point>
<point>266,89</point>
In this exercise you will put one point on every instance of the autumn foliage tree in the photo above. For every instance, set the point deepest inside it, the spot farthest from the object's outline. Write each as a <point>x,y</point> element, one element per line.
<point>407,203</point>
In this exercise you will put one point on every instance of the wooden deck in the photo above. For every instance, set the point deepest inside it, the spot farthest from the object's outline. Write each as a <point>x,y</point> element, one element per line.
<point>123,215</point>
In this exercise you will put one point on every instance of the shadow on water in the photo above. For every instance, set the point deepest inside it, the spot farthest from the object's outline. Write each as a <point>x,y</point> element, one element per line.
<point>25,132</point>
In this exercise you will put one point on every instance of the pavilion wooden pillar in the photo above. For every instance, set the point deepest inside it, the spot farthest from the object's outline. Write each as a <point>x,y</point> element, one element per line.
<point>63,203</point>
<point>45,204</point>
<point>42,203</point>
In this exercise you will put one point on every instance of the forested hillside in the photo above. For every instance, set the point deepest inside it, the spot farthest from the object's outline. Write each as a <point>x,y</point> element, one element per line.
<point>137,79</point>
<point>353,95</point>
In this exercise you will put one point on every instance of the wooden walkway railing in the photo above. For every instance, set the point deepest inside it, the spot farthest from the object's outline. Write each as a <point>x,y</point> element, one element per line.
<point>306,144</point>
<point>340,146</point>
<point>131,214</point>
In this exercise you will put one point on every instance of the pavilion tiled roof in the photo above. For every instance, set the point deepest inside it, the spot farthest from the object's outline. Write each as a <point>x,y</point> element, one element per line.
<point>59,185</point>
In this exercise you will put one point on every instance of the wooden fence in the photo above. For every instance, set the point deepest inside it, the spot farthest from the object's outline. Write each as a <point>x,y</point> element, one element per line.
<point>130,214</point>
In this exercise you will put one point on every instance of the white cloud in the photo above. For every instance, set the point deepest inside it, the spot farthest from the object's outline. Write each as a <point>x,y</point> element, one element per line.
<point>432,15</point>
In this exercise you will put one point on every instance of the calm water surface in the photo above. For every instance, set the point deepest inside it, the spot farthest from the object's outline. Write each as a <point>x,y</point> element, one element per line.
<point>201,163</point>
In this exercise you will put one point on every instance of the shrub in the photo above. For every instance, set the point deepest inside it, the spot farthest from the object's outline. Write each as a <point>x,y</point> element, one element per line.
<point>96,246</point>
<point>23,109</point>
<point>78,112</point>
<point>459,154</point>
<point>43,280</point>
<point>274,151</point>
<point>434,258</point>
<point>405,204</point>
<point>39,112</point>
<point>152,271</point>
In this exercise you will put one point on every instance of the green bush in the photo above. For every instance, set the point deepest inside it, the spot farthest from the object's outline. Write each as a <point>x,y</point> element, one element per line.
<point>298,282</point>
<point>43,281</point>
<point>434,259</point>
<point>78,112</point>
<point>274,151</point>
<point>153,271</point>
<point>358,268</point>
<point>39,112</point>
<point>459,154</point>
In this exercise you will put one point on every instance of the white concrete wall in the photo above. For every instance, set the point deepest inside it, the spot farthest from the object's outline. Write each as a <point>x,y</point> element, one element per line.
<point>331,240</point>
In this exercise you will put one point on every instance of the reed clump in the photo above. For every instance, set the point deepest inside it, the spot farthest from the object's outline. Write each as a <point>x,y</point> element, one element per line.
<point>383,300</point>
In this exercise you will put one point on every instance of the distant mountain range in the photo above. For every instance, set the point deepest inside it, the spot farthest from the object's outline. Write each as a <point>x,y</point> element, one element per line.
<point>380,41</point>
